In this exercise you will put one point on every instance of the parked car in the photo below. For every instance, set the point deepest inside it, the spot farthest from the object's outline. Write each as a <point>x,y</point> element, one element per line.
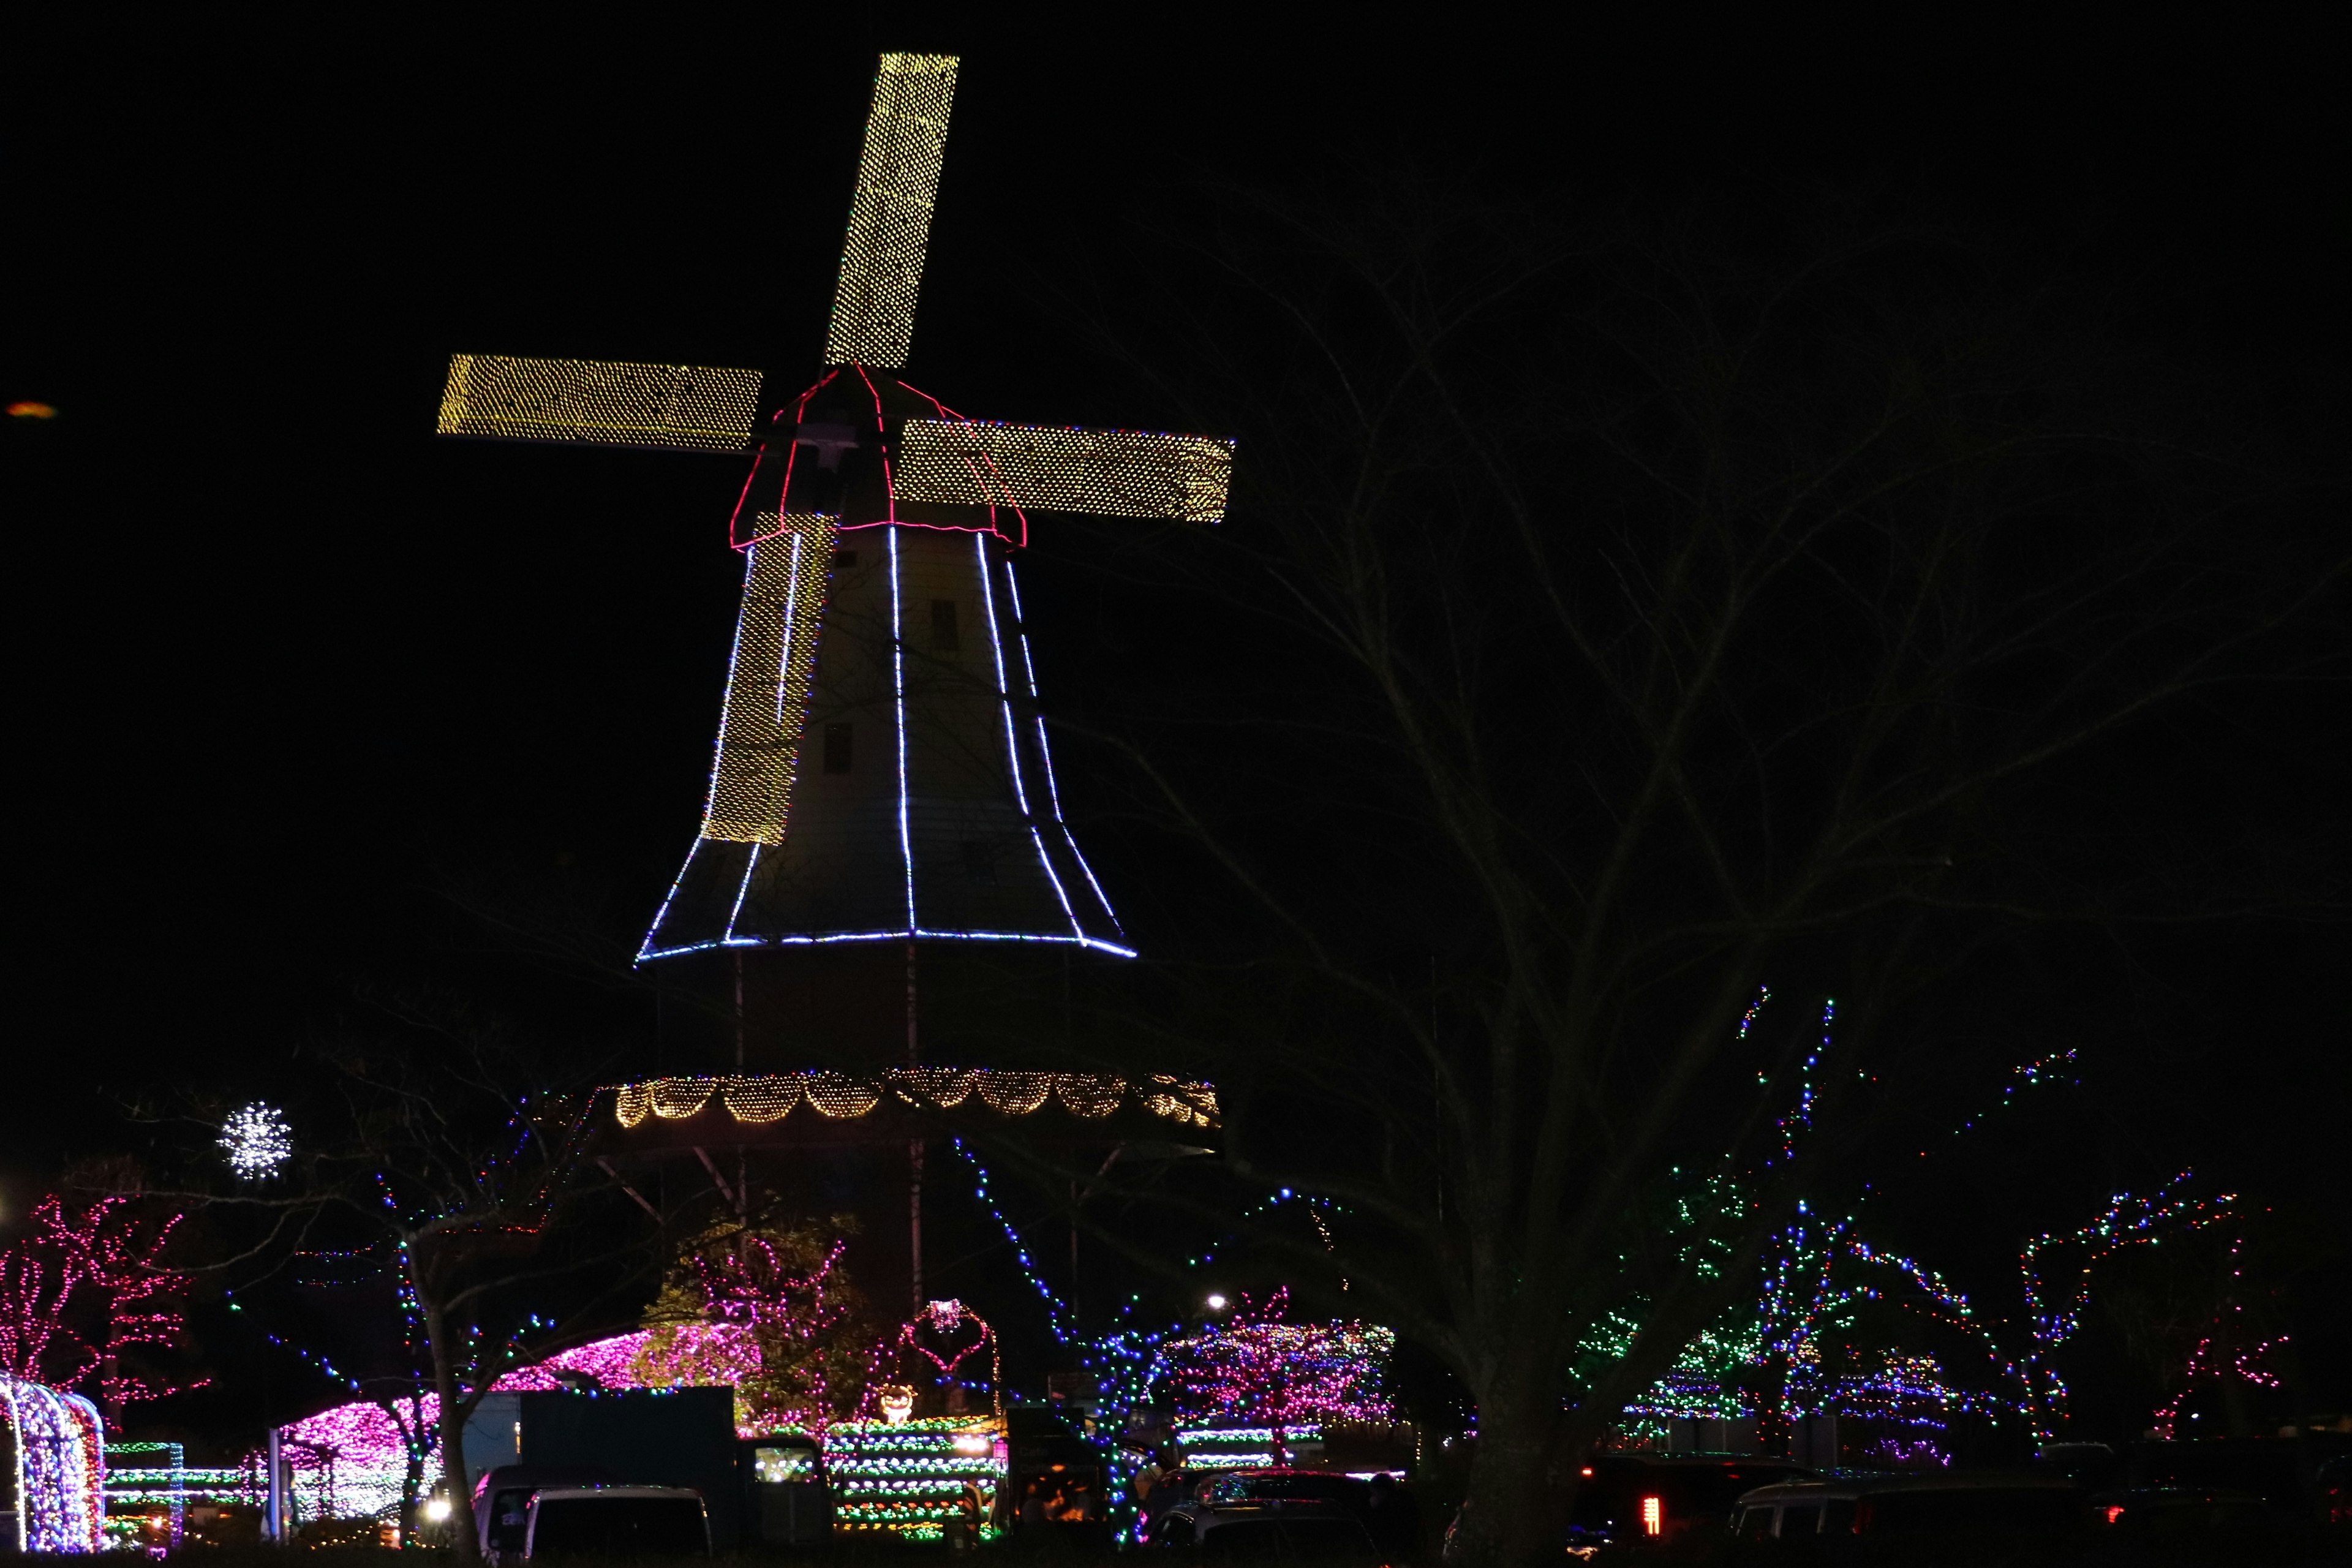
<point>2177,1511</point>
<point>2093,1465</point>
<point>1927,1504</point>
<point>1266,1485</point>
<point>502,1502</point>
<point>2333,1481</point>
<point>1270,1527</point>
<point>2286,1473</point>
<point>616,1521</point>
<point>1620,1496</point>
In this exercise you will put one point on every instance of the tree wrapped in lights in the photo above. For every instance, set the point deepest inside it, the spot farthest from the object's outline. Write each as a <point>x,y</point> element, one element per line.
<point>1259,1371</point>
<point>1799,1349</point>
<point>2216,1362</point>
<point>83,1290</point>
<point>767,1311</point>
<point>460,1172</point>
<point>1822,1337</point>
<point>2057,1272</point>
<point>37,1277</point>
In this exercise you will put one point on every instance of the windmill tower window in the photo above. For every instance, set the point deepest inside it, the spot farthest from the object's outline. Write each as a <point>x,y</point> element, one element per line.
<point>943,626</point>
<point>836,748</point>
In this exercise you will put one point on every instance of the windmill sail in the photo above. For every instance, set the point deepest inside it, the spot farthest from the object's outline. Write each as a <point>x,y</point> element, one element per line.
<point>890,213</point>
<point>1046,467</point>
<point>761,728</point>
<point>599,402</point>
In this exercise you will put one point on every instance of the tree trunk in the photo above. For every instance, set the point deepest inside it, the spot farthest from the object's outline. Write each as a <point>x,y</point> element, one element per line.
<point>455,1485</point>
<point>1513,1514</point>
<point>412,1480</point>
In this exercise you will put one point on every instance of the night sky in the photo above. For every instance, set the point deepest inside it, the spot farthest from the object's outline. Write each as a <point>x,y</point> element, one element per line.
<point>288,670</point>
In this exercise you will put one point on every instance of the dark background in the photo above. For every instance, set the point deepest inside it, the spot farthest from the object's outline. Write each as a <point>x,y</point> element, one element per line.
<point>286,670</point>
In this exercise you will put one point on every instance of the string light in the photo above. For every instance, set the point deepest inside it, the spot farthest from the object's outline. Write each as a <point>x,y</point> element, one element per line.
<point>1012,747</point>
<point>758,1100</point>
<point>899,716</point>
<point>2029,1075</point>
<point>1044,749</point>
<point>919,933</point>
<point>1057,1316</point>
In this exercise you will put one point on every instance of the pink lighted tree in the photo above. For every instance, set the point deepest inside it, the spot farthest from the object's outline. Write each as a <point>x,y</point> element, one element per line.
<point>37,1278</point>
<point>85,1287</point>
<point>1258,1371</point>
<point>766,1309</point>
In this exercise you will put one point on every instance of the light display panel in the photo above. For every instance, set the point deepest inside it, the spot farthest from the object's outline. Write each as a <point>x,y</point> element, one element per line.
<point>890,213</point>
<point>768,679</point>
<point>757,1099</point>
<point>604,402</point>
<point>914,1478</point>
<point>1049,468</point>
<point>1207,1449</point>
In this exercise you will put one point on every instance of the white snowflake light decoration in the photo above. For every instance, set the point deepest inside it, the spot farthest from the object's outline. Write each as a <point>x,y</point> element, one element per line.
<point>256,1140</point>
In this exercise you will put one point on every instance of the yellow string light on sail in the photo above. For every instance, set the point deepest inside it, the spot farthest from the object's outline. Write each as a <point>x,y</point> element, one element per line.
<point>607,401</point>
<point>890,213</point>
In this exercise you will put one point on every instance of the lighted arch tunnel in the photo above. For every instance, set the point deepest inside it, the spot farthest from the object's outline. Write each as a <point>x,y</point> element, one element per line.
<point>54,1468</point>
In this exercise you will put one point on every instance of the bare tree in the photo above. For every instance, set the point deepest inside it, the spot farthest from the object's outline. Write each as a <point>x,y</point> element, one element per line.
<point>1632,617</point>
<point>503,1241</point>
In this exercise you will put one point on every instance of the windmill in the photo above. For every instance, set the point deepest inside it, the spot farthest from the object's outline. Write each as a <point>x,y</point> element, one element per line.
<point>882,776</point>
<point>881,772</point>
